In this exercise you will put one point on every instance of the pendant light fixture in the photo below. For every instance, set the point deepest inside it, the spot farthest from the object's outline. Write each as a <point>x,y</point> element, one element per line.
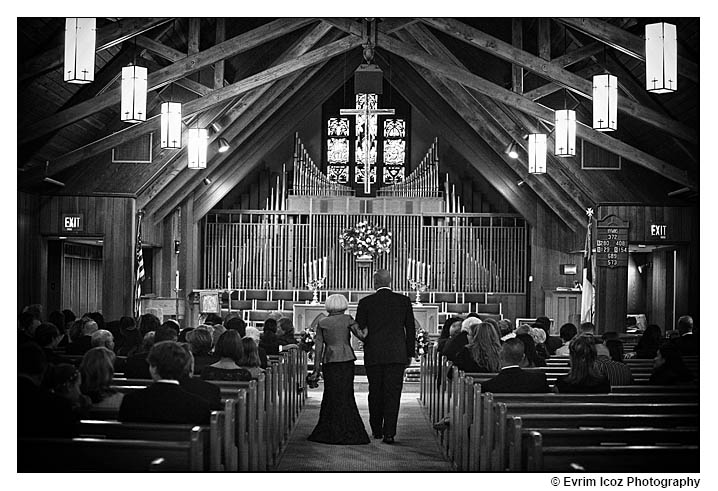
<point>80,36</point>
<point>661,58</point>
<point>537,153</point>
<point>223,145</point>
<point>133,108</point>
<point>512,150</point>
<point>605,101</point>
<point>171,124</point>
<point>197,148</point>
<point>565,136</point>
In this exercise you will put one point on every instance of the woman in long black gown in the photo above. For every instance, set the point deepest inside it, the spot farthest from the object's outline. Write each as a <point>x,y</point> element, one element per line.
<point>339,419</point>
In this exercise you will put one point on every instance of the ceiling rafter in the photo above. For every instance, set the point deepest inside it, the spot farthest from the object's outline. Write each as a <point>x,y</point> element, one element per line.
<point>472,107</point>
<point>180,69</point>
<point>624,41</point>
<point>571,81</point>
<point>107,37</point>
<point>234,113</point>
<point>529,107</point>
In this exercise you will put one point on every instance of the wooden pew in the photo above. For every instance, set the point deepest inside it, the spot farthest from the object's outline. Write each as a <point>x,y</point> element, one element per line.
<point>108,455</point>
<point>210,436</point>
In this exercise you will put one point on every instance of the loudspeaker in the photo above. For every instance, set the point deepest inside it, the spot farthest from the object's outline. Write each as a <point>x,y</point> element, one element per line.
<point>368,80</point>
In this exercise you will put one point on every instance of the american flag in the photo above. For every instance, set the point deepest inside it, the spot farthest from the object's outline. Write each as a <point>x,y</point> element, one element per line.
<point>140,273</point>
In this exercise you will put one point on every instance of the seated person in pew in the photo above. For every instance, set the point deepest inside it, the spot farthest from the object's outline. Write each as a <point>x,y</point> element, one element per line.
<point>129,339</point>
<point>552,343</point>
<point>512,378</point>
<point>97,370</point>
<point>240,326</point>
<point>269,340</point>
<point>567,332</point>
<point>249,357</point>
<point>200,343</point>
<point>533,360</point>
<point>539,337</point>
<point>687,342</point>
<point>194,385</point>
<point>40,413</point>
<point>669,368</point>
<point>506,329</point>
<point>64,380</point>
<point>82,343</point>
<point>451,327</point>
<point>48,336</point>
<point>229,351</point>
<point>482,353</point>
<point>165,401</point>
<point>612,365</point>
<point>583,378</point>
<point>649,342</point>
<point>285,333</point>
<point>137,366</point>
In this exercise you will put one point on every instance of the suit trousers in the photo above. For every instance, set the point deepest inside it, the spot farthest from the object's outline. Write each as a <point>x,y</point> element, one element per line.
<point>385,383</point>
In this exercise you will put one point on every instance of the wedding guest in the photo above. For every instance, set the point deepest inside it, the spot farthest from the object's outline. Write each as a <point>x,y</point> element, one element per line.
<point>512,378</point>
<point>669,368</point>
<point>200,343</point>
<point>451,327</point>
<point>136,365</point>
<point>194,385</point>
<point>249,357</point>
<point>567,332</point>
<point>552,343</point>
<point>97,370</point>
<point>539,337</point>
<point>482,353</point>
<point>269,340</point>
<point>65,380</point>
<point>83,343</point>
<point>229,351</point>
<point>612,365</point>
<point>649,342</point>
<point>47,336</point>
<point>102,337</point>
<point>583,377</point>
<point>130,339</point>
<point>687,342</point>
<point>285,333</point>
<point>148,322</point>
<point>532,360</point>
<point>507,330</point>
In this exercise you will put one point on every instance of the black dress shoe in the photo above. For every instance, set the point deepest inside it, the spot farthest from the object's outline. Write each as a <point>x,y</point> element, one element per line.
<point>377,435</point>
<point>388,439</point>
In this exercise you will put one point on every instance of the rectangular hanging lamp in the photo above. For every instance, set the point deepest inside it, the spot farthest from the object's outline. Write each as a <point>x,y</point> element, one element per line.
<point>661,58</point>
<point>133,108</point>
<point>537,153</point>
<point>171,125</point>
<point>605,102</point>
<point>80,36</point>
<point>565,131</point>
<point>197,148</point>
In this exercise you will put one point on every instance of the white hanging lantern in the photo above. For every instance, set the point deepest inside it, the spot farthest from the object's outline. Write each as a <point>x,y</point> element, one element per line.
<point>197,148</point>
<point>565,131</point>
<point>537,153</point>
<point>80,36</point>
<point>133,108</point>
<point>605,102</point>
<point>661,58</point>
<point>171,125</point>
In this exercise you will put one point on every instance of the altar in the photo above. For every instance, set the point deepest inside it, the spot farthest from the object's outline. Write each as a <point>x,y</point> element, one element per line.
<point>307,315</point>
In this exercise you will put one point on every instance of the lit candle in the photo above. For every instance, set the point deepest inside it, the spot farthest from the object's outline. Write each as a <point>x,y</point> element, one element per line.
<point>324,270</point>
<point>177,280</point>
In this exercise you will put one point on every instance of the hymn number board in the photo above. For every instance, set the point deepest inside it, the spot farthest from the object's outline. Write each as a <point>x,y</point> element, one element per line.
<point>612,242</point>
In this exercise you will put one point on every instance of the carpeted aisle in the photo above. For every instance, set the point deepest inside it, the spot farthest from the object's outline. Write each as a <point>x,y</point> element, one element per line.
<point>416,449</point>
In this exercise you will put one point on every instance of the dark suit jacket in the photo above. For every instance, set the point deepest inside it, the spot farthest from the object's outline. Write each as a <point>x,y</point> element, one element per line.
<point>136,366</point>
<point>43,414</point>
<point>208,391</point>
<point>389,321</point>
<point>164,403</point>
<point>516,380</point>
<point>552,344</point>
<point>687,345</point>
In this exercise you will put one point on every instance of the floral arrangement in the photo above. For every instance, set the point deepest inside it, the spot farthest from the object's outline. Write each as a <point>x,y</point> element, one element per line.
<point>306,341</point>
<point>422,342</point>
<point>365,239</point>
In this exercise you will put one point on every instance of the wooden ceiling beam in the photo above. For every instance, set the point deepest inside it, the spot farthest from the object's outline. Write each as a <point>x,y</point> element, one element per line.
<point>534,109</point>
<point>541,67</point>
<point>483,114</point>
<point>180,69</point>
<point>394,24</point>
<point>107,37</point>
<point>229,120</point>
<point>219,37</point>
<point>624,41</point>
<point>517,40</point>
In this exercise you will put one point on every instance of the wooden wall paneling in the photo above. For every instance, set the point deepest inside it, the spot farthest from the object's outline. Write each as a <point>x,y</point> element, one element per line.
<point>167,279</point>
<point>28,250</point>
<point>611,297</point>
<point>658,298</point>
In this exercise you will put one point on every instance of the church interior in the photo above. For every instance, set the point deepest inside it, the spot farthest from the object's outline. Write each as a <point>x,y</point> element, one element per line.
<point>206,170</point>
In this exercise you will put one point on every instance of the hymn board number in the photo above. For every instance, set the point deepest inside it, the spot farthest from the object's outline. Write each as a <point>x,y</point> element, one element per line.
<point>367,112</point>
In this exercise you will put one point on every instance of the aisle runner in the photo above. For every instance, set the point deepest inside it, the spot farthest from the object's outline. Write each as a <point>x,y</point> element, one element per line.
<point>415,450</point>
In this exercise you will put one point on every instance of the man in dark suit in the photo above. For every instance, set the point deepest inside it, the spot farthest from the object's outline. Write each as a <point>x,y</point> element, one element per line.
<point>512,378</point>
<point>687,342</point>
<point>165,401</point>
<point>194,385</point>
<point>387,320</point>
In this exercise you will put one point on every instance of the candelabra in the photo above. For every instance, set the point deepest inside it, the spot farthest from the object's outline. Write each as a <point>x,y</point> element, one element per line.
<point>418,287</point>
<point>314,286</point>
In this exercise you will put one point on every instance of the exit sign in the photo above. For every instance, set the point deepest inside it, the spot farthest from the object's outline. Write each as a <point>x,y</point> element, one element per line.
<point>659,231</point>
<point>72,222</point>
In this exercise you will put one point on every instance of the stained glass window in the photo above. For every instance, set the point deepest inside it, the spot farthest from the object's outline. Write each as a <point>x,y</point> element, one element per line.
<point>362,140</point>
<point>338,149</point>
<point>394,150</point>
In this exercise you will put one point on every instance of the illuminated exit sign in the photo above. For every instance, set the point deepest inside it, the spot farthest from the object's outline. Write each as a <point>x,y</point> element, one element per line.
<point>659,231</point>
<point>72,222</point>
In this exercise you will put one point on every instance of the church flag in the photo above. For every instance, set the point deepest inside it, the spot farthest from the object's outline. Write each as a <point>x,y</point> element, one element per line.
<point>140,273</point>
<point>588,294</point>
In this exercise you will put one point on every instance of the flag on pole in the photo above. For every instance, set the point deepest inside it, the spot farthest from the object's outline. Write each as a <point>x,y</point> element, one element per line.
<point>587,293</point>
<point>140,273</point>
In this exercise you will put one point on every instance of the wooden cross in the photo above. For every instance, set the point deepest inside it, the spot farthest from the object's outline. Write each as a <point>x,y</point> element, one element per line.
<point>367,112</point>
